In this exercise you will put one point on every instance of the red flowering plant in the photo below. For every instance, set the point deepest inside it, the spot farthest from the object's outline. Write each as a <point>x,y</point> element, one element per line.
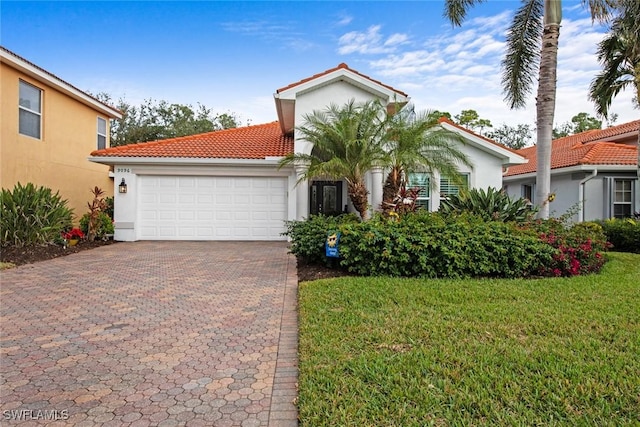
<point>580,248</point>
<point>73,234</point>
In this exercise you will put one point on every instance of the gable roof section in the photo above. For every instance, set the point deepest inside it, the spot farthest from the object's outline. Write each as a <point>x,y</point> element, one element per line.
<point>40,74</point>
<point>592,147</point>
<point>250,142</point>
<point>508,155</point>
<point>340,66</point>
<point>285,97</point>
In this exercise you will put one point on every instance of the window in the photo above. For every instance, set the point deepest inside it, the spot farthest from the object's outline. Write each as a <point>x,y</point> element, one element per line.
<point>30,110</point>
<point>622,198</point>
<point>448,186</point>
<point>421,181</point>
<point>102,133</point>
<point>527,192</point>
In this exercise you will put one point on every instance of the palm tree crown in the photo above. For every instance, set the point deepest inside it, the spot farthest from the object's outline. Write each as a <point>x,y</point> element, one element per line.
<point>532,45</point>
<point>347,143</point>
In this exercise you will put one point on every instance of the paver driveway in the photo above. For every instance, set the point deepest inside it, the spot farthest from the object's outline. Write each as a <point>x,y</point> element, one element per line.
<point>152,333</point>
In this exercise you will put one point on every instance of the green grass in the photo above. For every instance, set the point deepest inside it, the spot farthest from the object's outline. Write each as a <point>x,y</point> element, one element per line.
<point>409,352</point>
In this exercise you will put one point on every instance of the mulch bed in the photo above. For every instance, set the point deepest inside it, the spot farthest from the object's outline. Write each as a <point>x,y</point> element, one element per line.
<point>31,254</point>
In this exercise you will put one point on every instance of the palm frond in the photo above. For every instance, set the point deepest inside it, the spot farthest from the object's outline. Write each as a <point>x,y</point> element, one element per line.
<point>456,10</point>
<point>522,59</point>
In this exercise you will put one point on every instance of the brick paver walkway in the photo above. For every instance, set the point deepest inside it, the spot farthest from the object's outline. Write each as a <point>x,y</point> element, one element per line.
<point>151,334</point>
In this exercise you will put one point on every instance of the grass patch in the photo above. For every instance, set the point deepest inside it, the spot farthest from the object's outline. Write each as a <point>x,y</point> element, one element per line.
<point>6,265</point>
<point>409,352</point>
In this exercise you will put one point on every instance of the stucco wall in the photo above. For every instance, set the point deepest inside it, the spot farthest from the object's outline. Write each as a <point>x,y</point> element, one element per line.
<point>338,93</point>
<point>566,186</point>
<point>59,159</point>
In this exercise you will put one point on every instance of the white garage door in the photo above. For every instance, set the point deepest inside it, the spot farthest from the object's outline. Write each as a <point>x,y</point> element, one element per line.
<point>212,208</point>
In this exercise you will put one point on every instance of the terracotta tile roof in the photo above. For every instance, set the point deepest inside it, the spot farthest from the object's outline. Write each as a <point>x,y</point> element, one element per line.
<point>250,142</point>
<point>491,141</point>
<point>586,148</point>
<point>331,70</point>
<point>53,76</point>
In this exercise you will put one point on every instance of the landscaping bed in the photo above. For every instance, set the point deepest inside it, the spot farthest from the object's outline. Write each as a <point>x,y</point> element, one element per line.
<point>34,253</point>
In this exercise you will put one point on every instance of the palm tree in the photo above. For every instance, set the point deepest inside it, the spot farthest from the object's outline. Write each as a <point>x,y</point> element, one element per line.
<point>532,45</point>
<point>619,54</point>
<point>414,142</point>
<point>347,143</point>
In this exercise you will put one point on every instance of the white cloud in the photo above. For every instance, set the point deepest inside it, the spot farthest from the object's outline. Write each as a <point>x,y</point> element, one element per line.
<point>343,19</point>
<point>461,68</point>
<point>370,42</point>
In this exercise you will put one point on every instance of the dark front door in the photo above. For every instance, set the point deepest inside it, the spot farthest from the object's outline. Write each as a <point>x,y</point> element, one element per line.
<point>326,197</point>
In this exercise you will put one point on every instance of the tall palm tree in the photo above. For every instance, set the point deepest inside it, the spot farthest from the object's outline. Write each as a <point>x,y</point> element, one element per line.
<point>619,54</point>
<point>415,143</point>
<point>347,143</point>
<point>532,45</point>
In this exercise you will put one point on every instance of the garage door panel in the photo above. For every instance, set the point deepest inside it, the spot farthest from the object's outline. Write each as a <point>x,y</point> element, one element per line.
<point>212,208</point>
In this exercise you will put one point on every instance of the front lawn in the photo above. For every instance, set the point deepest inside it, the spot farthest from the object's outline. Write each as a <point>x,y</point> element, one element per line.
<point>411,352</point>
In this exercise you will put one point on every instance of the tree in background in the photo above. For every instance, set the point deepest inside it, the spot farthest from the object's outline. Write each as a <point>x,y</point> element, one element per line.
<point>579,123</point>
<point>471,120</point>
<point>155,120</point>
<point>515,137</point>
<point>532,46</point>
<point>619,54</point>
<point>437,115</point>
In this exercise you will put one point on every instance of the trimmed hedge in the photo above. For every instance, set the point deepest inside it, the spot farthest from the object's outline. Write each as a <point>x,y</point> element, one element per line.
<point>623,234</point>
<point>425,244</point>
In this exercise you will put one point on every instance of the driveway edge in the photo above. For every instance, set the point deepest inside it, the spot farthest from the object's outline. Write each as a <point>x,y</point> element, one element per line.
<point>283,411</point>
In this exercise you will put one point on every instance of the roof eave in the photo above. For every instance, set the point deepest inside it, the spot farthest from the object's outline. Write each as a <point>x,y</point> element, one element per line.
<point>50,80</point>
<point>183,161</point>
<point>509,158</point>
<point>575,168</point>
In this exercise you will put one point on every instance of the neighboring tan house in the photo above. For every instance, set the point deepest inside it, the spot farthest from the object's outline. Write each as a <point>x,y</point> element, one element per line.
<point>226,185</point>
<point>49,128</point>
<point>593,173</point>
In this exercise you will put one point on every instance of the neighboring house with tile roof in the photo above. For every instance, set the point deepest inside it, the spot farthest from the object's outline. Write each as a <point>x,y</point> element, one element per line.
<point>226,185</point>
<point>49,127</point>
<point>593,172</point>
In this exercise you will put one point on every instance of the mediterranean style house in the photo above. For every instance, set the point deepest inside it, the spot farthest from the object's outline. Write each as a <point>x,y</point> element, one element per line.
<point>226,185</point>
<point>48,128</point>
<point>593,173</point>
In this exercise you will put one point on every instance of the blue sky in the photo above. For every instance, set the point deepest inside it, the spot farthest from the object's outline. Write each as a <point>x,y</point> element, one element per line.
<point>232,56</point>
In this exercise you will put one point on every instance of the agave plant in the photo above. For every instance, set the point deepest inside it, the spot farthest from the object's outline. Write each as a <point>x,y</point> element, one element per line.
<point>492,205</point>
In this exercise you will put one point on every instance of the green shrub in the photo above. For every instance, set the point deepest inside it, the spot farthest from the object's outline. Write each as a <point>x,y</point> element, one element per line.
<point>491,205</point>
<point>431,245</point>
<point>623,234</point>
<point>108,209</point>
<point>31,215</point>
<point>308,236</point>
<point>579,247</point>
<point>104,225</point>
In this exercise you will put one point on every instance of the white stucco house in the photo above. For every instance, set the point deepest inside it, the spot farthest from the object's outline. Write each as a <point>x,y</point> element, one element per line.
<point>226,185</point>
<point>593,173</point>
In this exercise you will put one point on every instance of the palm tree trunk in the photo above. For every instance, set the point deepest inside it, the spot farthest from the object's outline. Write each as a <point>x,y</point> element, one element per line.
<point>391,188</point>
<point>358,194</point>
<point>545,110</point>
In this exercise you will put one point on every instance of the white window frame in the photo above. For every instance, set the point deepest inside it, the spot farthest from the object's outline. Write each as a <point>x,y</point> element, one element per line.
<point>532,192</point>
<point>424,197</point>
<point>623,192</point>
<point>103,135</point>
<point>29,110</point>
<point>445,181</point>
